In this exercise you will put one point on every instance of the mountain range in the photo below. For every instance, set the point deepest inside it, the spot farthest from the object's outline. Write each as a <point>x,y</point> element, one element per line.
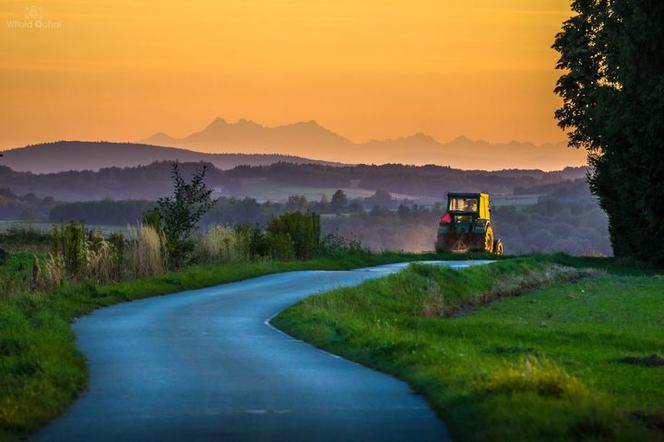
<point>310,139</point>
<point>227,145</point>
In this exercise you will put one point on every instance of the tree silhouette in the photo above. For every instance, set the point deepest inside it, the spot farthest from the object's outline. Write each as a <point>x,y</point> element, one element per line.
<point>612,52</point>
<point>181,212</point>
<point>339,201</point>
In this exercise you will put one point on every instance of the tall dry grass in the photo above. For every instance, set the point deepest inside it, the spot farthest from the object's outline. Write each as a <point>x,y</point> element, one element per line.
<point>146,251</point>
<point>52,273</point>
<point>99,262</point>
<point>219,244</point>
<point>77,254</point>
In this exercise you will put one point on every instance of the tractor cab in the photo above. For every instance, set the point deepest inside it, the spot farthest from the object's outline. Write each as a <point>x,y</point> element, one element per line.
<point>466,225</point>
<point>465,209</point>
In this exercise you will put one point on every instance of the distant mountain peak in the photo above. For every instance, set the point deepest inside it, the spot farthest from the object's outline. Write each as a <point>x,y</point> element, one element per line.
<point>422,137</point>
<point>217,122</point>
<point>461,139</point>
<point>311,124</point>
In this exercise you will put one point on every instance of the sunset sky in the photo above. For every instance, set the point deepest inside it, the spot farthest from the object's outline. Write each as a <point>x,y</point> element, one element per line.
<point>122,70</point>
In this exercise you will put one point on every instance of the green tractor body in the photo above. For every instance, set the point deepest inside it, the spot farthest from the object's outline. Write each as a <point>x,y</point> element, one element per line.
<point>467,226</point>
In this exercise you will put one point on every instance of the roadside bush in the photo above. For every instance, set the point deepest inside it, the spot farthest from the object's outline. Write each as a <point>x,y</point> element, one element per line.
<point>118,245</point>
<point>295,234</point>
<point>68,249</point>
<point>253,243</point>
<point>282,247</point>
<point>335,246</point>
<point>77,254</point>
<point>259,244</point>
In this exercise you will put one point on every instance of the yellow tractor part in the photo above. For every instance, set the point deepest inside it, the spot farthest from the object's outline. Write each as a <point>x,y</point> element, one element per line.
<point>467,225</point>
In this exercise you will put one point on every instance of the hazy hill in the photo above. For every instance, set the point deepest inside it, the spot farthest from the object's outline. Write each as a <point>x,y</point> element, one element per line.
<point>277,181</point>
<point>313,140</point>
<point>82,155</point>
<point>130,183</point>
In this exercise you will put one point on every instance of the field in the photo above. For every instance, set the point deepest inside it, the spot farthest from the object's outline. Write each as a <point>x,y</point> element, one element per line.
<point>263,189</point>
<point>46,227</point>
<point>557,353</point>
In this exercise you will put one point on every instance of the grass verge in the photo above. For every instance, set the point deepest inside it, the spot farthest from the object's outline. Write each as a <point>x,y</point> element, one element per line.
<point>550,364</point>
<point>41,372</point>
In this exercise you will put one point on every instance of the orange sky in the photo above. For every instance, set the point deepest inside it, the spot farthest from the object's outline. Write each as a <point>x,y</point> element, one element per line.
<point>121,69</point>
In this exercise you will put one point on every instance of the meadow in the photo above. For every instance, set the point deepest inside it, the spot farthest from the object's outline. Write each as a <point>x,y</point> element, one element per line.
<point>537,348</point>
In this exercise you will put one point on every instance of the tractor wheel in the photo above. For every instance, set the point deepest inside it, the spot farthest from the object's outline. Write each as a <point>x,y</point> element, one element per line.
<point>488,239</point>
<point>498,247</point>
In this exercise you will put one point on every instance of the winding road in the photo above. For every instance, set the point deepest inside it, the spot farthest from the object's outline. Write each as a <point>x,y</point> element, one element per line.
<point>206,365</point>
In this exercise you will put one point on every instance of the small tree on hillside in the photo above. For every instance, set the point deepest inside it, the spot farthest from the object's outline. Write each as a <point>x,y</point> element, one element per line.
<point>179,214</point>
<point>339,201</point>
<point>380,198</point>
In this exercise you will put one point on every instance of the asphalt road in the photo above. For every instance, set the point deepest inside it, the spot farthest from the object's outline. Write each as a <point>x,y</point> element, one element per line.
<point>205,365</point>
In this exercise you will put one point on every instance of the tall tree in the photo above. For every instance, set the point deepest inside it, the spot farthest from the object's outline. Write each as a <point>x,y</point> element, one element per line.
<point>612,55</point>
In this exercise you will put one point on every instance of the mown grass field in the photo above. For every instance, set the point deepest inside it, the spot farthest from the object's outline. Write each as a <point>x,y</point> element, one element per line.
<point>521,349</point>
<point>41,372</point>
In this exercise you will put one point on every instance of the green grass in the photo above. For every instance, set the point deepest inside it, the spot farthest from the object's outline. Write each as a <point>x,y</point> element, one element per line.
<point>546,365</point>
<point>41,372</point>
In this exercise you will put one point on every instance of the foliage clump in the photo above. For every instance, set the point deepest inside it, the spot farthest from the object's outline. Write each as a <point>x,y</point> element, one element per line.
<point>294,235</point>
<point>612,53</point>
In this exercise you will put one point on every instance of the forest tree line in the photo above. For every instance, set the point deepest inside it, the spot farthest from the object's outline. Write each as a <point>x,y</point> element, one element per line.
<point>563,222</point>
<point>153,181</point>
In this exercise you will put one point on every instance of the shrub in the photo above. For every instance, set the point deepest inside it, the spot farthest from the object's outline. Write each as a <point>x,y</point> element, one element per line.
<point>281,246</point>
<point>118,245</point>
<point>253,243</point>
<point>68,249</point>
<point>259,244</point>
<point>334,246</point>
<point>296,231</point>
<point>78,253</point>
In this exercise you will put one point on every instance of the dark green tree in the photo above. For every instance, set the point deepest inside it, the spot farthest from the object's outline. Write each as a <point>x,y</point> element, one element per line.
<point>612,55</point>
<point>295,235</point>
<point>180,213</point>
<point>380,198</point>
<point>339,201</point>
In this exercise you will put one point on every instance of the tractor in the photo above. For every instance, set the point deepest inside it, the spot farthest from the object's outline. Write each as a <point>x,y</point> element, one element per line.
<point>466,225</point>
